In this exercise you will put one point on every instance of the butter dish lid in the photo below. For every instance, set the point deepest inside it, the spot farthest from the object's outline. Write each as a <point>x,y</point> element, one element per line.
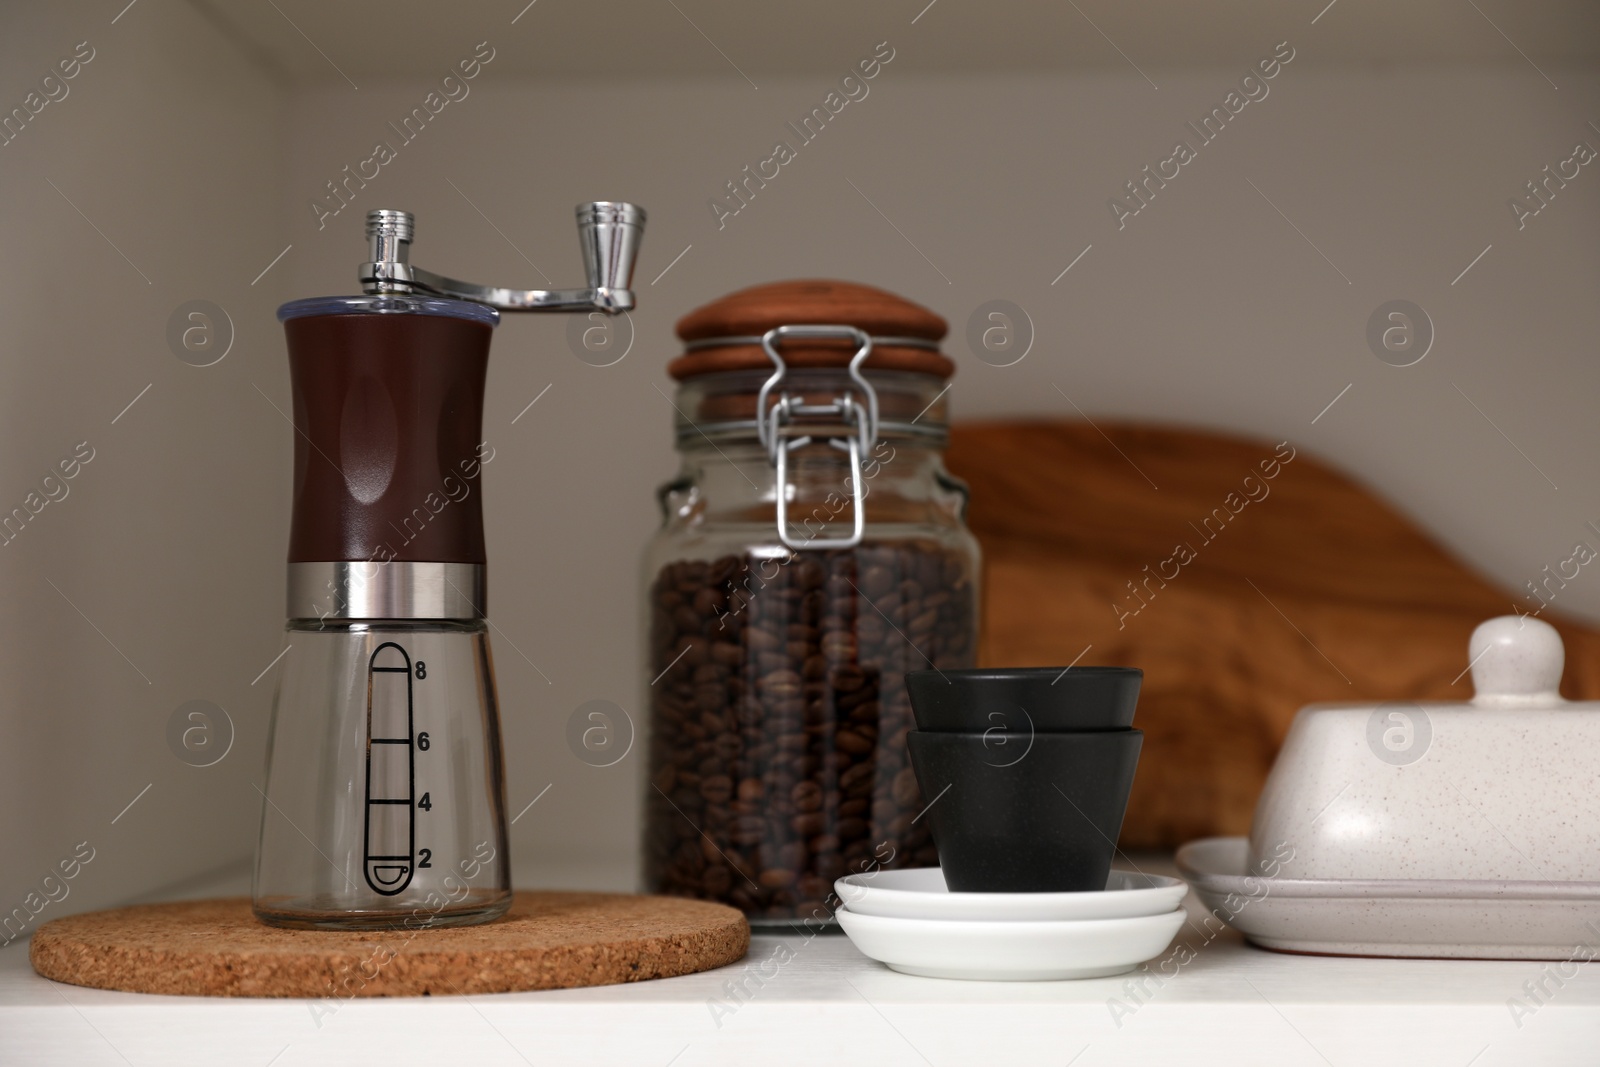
<point>1500,787</point>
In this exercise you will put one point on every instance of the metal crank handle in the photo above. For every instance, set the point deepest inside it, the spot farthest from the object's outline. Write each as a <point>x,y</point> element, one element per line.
<point>609,233</point>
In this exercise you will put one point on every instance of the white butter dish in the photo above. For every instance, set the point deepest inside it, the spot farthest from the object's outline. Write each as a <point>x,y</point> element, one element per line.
<point>1463,829</point>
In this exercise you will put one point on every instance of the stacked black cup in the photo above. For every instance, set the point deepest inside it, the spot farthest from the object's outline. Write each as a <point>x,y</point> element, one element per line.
<point>1027,773</point>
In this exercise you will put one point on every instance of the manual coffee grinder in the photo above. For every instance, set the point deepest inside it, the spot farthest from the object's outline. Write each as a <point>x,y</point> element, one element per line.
<point>384,804</point>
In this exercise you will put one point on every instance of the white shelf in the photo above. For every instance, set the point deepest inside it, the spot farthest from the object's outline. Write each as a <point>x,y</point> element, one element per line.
<point>1232,1004</point>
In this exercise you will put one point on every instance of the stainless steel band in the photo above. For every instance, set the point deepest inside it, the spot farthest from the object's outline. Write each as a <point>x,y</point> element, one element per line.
<point>370,590</point>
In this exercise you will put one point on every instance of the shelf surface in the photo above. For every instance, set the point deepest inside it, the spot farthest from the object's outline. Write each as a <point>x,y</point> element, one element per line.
<point>815,999</point>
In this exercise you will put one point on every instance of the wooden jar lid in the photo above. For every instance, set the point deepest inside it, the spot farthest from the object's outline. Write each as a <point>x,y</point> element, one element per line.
<point>753,311</point>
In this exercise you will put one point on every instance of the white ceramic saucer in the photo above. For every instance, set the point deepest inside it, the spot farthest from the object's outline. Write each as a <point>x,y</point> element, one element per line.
<point>1011,951</point>
<point>920,893</point>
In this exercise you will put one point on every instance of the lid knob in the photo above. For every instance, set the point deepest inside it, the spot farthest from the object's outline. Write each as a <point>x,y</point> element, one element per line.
<point>1516,660</point>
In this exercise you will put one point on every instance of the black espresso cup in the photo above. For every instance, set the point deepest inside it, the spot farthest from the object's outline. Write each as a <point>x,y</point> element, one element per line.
<point>1025,813</point>
<point>1025,700</point>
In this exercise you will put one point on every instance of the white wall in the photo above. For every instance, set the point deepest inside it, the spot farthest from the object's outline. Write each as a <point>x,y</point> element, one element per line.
<point>1209,308</point>
<point>167,542</point>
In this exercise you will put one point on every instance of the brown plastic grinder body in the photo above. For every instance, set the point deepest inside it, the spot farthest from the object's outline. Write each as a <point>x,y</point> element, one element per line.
<point>389,414</point>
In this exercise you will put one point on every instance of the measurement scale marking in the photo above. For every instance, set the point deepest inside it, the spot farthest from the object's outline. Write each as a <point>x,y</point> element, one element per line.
<point>388,872</point>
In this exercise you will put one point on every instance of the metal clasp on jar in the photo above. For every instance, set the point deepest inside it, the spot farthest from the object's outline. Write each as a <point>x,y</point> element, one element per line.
<point>860,416</point>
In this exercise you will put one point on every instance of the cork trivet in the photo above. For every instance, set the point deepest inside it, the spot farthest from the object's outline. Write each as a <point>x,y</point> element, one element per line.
<point>216,948</point>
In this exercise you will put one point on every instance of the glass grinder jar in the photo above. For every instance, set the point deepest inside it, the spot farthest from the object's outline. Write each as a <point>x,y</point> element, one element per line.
<point>812,551</point>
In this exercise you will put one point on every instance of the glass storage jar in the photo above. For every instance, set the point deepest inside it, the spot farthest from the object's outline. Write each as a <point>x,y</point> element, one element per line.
<point>812,551</point>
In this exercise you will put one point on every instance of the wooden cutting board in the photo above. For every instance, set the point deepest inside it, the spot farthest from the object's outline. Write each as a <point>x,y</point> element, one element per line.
<point>1317,589</point>
<point>216,948</point>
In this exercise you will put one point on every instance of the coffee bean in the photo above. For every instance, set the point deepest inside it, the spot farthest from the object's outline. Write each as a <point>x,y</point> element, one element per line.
<point>807,796</point>
<point>853,743</point>
<point>867,712</point>
<point>847,678</point>
<point>778,738</point>
<point>708,850</point>
<point>839,645</point>
<point>776,878</point>
<point>823,843</point>
<point>876,581</point>
<point>828,865</point>
<point>810,572</point>
<point>809,824</point>
<point>813,887</point>
<point>852,829</point>
<point>857,780</point>
<point>716,881</point>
